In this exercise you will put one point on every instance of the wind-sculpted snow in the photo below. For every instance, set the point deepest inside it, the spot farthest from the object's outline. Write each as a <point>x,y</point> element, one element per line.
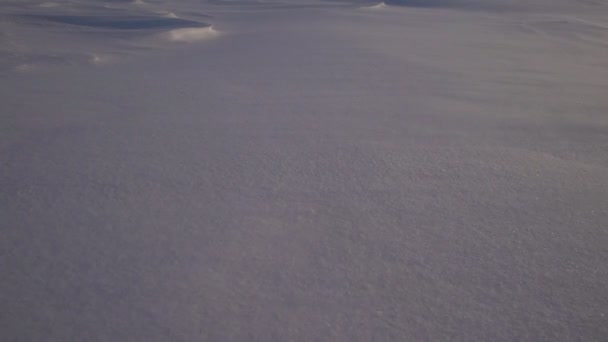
<point>112,29</point>
<point>303,170</point>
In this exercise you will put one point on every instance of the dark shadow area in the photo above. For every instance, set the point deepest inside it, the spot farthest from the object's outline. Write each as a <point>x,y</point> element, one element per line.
<point>498,5</point>
<point>120,22</point>
<point>468,4</point>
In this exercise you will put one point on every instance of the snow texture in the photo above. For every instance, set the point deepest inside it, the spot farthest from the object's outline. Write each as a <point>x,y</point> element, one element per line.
<point>281,170</point>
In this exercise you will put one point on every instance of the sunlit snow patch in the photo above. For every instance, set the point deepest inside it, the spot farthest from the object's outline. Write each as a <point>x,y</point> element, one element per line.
<point>379,6</point>
<point>190,34</point>
<point>169,15</point>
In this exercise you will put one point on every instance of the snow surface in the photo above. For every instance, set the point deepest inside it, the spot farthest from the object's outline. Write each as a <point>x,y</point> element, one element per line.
<point>288,170</point>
